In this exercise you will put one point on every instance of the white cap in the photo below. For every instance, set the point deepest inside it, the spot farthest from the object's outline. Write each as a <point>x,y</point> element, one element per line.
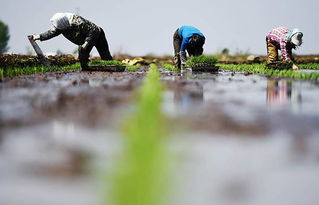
<point>62,20</point>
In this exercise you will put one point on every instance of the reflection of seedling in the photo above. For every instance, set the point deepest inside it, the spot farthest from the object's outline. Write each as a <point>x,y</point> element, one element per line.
<point>280,65</point>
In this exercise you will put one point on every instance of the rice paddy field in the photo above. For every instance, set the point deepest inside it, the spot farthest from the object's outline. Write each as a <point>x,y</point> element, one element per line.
<point>157,135</point>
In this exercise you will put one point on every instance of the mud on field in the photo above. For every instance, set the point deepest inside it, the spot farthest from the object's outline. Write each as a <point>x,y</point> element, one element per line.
<point>85,97</point>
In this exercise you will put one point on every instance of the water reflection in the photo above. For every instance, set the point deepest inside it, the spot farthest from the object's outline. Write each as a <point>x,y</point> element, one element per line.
<point>188,95</point>
<point>281,92</point>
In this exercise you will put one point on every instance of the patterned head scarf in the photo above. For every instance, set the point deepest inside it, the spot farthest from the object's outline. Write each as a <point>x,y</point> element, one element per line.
<point>293,32</point>
<point>295,36</point>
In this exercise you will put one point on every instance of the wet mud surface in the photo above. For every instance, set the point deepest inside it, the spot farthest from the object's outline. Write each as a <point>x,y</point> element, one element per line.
<point>242,137</point>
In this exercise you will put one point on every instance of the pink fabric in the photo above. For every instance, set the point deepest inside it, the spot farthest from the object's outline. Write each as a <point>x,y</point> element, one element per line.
<point>280,36</point>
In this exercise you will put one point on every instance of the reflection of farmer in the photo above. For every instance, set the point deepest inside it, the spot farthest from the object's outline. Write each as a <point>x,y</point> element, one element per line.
<point>79,31</point>
<point>280,92</point>
<point>187,38</point>
<point>285,40</point>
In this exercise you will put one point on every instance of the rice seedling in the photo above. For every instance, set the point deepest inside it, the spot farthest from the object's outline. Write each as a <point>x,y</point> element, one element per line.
<point>261,69</point>
<point>170,67</point>
<point>16,71</point>
<point>202,60</point>
<point>141,173</point>
<point>107,62</point>
<point>310,66</point>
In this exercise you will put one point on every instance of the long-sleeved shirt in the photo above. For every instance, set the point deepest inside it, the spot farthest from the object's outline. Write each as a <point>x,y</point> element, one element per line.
<point>280,37</point>
<point>186,32</point>
<point>79,31</point>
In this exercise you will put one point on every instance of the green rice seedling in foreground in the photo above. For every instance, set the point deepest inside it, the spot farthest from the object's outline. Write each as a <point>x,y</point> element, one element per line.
<point>199,60</point>
<point>141,173</point>
<point>16,71</point>
<point>260,69</point>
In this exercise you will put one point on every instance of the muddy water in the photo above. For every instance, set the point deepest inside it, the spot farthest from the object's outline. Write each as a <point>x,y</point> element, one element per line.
<point>248,139</point>
<point>243,139</point>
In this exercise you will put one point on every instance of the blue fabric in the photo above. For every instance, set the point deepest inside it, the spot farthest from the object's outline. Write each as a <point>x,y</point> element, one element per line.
<point>186,32</point>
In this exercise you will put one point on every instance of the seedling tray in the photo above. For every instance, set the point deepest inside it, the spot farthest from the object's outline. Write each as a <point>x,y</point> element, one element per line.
<point>203,68</point>
<point>106,68</point>
<point>279,66</point>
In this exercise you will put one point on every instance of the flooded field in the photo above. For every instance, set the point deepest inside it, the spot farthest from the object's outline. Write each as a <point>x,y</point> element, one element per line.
<point>237,138</point>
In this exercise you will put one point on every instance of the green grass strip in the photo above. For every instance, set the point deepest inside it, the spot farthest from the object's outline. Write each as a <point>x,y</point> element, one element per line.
<point>133,67</point>
<point>260,69</point>
<point>17,71</point>
<point>141,172</point>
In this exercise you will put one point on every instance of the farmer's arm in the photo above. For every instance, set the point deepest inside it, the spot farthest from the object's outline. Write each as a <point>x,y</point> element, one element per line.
<point>50,34</point>
<point>284,51</point>
<point>289,52</point>
<point>184,44</point>
<point>92,35</point>
<point>294,66</point>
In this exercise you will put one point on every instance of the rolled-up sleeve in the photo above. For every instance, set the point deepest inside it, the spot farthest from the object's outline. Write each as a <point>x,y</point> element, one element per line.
<point>283,48</point>
<point>50,34</point>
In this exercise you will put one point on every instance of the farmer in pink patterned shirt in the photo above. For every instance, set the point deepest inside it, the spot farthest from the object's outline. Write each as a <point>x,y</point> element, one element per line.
<point>285,40</point>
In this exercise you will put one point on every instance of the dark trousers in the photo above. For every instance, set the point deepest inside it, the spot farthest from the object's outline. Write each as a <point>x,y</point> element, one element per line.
<point>192,51</point>
<point>101,46</point>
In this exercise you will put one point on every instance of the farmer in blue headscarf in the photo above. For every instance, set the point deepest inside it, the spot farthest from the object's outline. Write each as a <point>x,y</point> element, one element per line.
<point>187,38</point>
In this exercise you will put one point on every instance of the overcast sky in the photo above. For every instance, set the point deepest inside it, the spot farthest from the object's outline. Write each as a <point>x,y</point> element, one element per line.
<point>140,27</point>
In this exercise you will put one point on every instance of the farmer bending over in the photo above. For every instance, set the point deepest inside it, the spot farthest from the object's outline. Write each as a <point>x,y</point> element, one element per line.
<point>81,32</point>
<point>187,38</point>
<point>284,39</point>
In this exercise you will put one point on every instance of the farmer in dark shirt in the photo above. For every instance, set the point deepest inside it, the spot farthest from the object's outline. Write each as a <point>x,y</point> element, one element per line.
<point>81,32</point>
<point>187,38</point>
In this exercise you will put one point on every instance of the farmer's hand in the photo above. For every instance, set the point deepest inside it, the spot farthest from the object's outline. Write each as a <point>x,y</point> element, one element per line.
<point>177,60</point>
<point>295,67</point>
<point>85,45</point>
<point>36,37</point>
